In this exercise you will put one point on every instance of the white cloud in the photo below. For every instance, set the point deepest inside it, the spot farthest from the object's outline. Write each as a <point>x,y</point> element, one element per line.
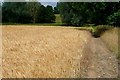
<point>53,4</point>
<point>48,0</point>
<point>1,0</point>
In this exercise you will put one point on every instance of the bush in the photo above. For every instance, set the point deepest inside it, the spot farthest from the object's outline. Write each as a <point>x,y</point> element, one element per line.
<point>99,30</point>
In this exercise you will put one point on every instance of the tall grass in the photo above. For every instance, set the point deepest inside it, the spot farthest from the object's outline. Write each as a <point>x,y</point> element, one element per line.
<point>110,38</point>
<point>58,18</point>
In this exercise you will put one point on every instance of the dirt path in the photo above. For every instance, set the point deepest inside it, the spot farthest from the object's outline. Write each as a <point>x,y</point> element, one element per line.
<point>103,62</point>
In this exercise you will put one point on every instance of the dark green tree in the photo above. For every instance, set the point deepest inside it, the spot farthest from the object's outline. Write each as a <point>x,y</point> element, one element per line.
<point>65,12</point>
<point>56,11</point>
<point>41,15</point>
<point>33,8</point>
<point>46,15</point>
<point>114,19</point>
<point>102,10</point>
<point>50,17</point>
<point>14,12</point>
<point>81,13</point>
<point>73,13</point>
<point>0,13</point>
<point>26,12</point>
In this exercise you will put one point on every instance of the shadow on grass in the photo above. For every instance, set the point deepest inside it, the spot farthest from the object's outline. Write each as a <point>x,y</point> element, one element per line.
<point>35,24</point>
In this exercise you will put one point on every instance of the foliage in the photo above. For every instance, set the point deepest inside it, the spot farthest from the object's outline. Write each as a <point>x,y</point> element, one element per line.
<point>14,12</point>
<point>33,8</point>
<point>50,17</point>
<point>72,13</point>
<point>81,13</point>
<point>97,31</point>
<point>0,13</point>
<point>114,19</point>
<point>56,9</point>
<point>26,12</point>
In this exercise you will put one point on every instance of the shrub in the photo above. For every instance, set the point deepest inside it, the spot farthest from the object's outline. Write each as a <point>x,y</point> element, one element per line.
<point>99,30</point>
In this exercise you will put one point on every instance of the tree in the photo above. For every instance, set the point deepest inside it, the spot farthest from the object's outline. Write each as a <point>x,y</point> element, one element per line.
<point>50,17</point>
<point>14,12</point>
<point>73,13</point>
<point>41,15</point>
<point>114,19</point>
<point>26,12</point>
<point>56,10</point>
<point>0,13</point>
<point>33,8</point>
<point>102,10</point>
<point>45,15</point>
<point>81,13</point>
<point>65,12</point>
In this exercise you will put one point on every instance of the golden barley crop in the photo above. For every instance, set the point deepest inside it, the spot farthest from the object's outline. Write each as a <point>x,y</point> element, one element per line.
<point>42,52</point>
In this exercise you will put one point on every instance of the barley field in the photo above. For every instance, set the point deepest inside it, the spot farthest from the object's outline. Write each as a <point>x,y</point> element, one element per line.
<point>0,51</point>
<point>42,52</point>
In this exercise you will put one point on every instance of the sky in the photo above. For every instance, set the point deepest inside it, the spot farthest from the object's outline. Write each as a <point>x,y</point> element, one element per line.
<point>48,0</point>
<point>52,3</point>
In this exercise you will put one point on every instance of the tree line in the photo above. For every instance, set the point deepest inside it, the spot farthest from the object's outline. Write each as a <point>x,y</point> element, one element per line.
<point>72,13</point>
<point>27,12</point>
<point>98,13</point>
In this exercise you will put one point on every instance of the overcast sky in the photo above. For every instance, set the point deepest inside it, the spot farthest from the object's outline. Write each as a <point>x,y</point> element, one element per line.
<point>53,4</point>
<point>49,2</point>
